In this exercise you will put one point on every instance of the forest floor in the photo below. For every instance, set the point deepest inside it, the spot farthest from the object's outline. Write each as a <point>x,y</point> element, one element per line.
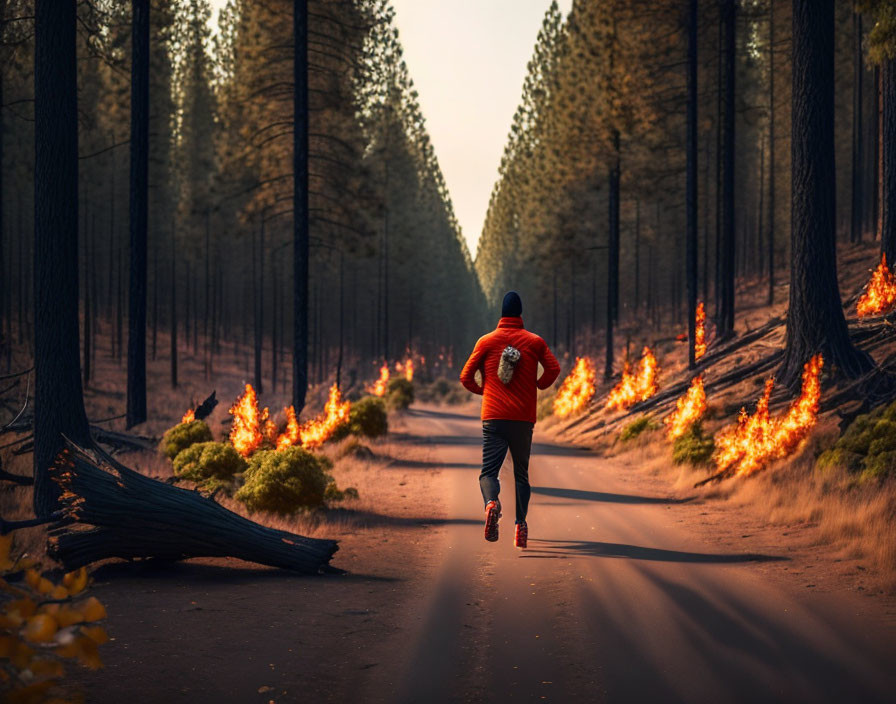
<point>636,586</point>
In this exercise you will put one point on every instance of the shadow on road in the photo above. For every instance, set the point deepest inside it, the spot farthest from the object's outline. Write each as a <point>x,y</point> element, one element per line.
<point>346,516</point>
<point>444,415</point>
<point>558,548</point>
<point>420,464</point>
<point>581,495</point>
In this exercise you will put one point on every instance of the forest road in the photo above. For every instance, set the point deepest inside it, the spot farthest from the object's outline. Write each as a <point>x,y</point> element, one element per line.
<point>613,601</point>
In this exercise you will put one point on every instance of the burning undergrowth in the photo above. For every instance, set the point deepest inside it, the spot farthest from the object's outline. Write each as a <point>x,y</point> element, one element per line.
<point>635,386</point>
<point>577,389</point>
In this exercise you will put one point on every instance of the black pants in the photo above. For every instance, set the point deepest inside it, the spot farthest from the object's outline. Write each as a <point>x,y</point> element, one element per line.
<point>497,437</point>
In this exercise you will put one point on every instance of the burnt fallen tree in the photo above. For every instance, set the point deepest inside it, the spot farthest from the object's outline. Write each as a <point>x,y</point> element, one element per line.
<point>111,511</point>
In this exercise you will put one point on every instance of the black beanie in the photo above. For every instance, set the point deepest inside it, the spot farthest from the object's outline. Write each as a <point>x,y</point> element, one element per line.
<point>512,307</point>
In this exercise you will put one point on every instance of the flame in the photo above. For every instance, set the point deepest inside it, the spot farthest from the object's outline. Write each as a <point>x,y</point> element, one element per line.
<point>290,436</point>
<point>379,386</point>
<point>880,293</point>
<point>700,332</point>
<point>753,441</point>
<point>409,369</point>
<point>189,416</point>
<point>577,388</point>
<point>688,408</point>
<point>635,387</point>
<point>317,431</point>
<point>246,434</point>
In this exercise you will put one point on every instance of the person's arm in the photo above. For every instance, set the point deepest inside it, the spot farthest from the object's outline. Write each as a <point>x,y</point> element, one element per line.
<point>551,367</point>
<point>474,363</point>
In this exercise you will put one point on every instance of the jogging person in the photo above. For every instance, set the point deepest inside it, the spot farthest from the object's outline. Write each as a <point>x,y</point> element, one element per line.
<point>508,358</point>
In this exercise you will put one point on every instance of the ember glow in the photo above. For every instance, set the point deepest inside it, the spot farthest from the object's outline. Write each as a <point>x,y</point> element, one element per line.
<point>409,369</point>
<point>639,386</point>
<point>379,386</point>
<point>249,423</point>
<point>576,390</point>
<point>290,436</point>
<point>700,332</point>
<point>688,408</point>
<point>317,431</point>
<point>189,416</point>
<point>880,293</point>
<point>751,443</point>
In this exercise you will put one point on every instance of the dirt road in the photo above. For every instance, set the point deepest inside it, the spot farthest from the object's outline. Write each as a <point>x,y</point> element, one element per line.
<point>617,599</point>
<point>613,601</point>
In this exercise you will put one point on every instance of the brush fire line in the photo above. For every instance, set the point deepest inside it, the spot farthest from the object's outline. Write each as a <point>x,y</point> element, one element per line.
<point>379,386</point>
<point>576,390</point>
<point>636,387</point>
<point>688,409</point>
<point>879,296</point>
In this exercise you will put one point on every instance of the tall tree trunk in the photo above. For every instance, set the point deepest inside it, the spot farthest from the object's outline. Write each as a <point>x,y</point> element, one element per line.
<point>815,321</point>
<point>772,186</point>
<point>58,396</point>
<point>728,244</point>
<point>888,154</point>
<point>612,255</point>
<point>637,255</point>
<point>139,199</point>
<point>206,319</point>
<point>718,180</point>
<point>173,323</point>
<point>155,299</point>
<point>341,319</point>
<point>300,206</point>
<point>876,155</point>
<point>858,167</point>
<point>258,292</point>
<point>691,196</point>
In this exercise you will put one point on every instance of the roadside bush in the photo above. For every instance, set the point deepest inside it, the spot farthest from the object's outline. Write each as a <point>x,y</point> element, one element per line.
<point>285,481</point>
<point>867,447</point>
<point>693,447</point>
<point>636,427</point>
<point>206,461</point>
<point>399,393</point>
<point>368,418</point>
<point>182,435</point>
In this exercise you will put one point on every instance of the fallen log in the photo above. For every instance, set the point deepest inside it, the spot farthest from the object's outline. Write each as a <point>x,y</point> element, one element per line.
<point>112,511</point>
<point>123,441</point>
<point>204,409</point>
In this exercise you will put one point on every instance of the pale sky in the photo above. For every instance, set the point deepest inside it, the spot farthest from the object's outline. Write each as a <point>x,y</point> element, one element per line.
<point>468,61</point>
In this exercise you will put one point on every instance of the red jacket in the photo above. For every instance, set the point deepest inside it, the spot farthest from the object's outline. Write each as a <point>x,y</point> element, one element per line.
<point>516,400</point>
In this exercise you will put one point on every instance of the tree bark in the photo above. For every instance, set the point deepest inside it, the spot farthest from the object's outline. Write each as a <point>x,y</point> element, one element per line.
<point>612,255</point>
<point>300,206</point>
<point>858,167</point>
<point>815,322</point>
<point>58,399</point>
<point>888,158</point>
<point>173,322</point>
<point>728,243</point>
<point>771,154</point>
<point>691,195</point>
<point>139,199</point>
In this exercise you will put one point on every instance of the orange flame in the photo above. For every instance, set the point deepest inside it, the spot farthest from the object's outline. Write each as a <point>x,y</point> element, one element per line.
<point>317,431</point>
<point>379,386</point>
<point>409,369</point>
<point>576,390</point>
<point>246,433</point>
<point>753,441</point>
<point>880,293</point>
<point>700,332</point>
<point>688,408</point>
<point>189,416</point>
<point>635,387</point>
<point>290,436</point>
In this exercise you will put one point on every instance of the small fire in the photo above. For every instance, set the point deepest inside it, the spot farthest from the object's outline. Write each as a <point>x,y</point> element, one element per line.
<point>635,387</point>
<point>880,293</point>
<point>688,408</point>
<point>290,436</point>
<point>189,416</point>
<point>317,431</point>
<point>409,369</point>
<point>250,425</point>
<point>700,332</point>
<point>379,386</point>
<point>753,441</point>
<point>576,390</point>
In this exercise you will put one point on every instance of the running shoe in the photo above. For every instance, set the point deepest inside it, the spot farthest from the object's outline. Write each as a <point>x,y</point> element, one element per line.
<point>492,514</point>
<point>521,537</point>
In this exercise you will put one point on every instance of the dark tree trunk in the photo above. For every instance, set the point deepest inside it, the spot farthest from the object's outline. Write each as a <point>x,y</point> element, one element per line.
<point>173,322</point>
<point>339,359</point>
<point>637,255</point>
<point>88,337</point>
<point>717,288</point>
<point>888,159</point>
<point>815,321</point>
<point>139,194</point>
<point>300,206</point>
<point>875,155</point>
<point>858,167</point>
<point>155,299</point>
<point>691,196</point>
<point>612,256</point>
<point>119,303</point>
<point>58,399</point>
<point>728,243</point>
<point>257,318</point>
<point>772,188</point>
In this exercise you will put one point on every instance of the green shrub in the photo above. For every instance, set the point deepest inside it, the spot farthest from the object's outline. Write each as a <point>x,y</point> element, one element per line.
<point>399,393</point>
<point>867,446</point>
<point>209,460</point>
<point>285,481</point>
<point>368,418</point>
<point>636,427</point>
<point>693,447</point>
<point>181,436</point>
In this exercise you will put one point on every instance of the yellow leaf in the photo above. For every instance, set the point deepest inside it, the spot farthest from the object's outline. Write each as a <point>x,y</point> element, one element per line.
<point>44,668</point>
<point>96,633</point>
<point>59,592</point>
<point>32,578</point>
<point>89,655</point>
<point>44,586</point>
<point>5,547</point>
<point>67,617</point>
<point>75,582</point>
<point>93,610</point>
<point>40,628</point>
<point>23,607</point>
